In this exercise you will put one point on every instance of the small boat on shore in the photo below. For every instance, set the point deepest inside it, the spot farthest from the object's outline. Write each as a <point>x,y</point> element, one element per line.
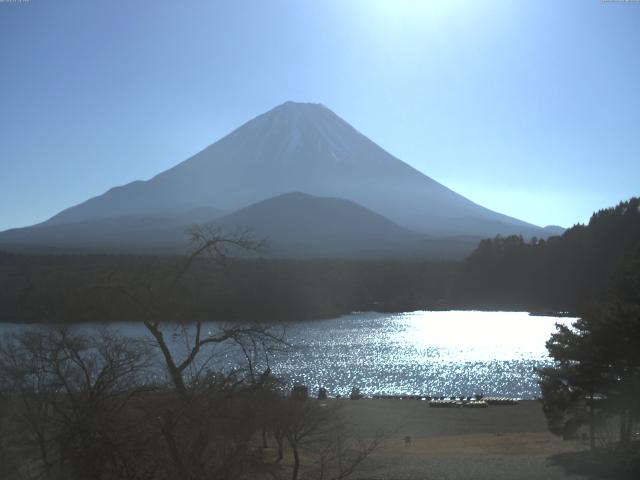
<point>501,400</point>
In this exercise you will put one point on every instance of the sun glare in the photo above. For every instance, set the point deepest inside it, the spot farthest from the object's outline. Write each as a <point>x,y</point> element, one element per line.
<point>412,11</point>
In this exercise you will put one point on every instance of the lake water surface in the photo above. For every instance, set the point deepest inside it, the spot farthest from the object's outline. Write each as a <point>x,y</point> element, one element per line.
<point>417,353</point>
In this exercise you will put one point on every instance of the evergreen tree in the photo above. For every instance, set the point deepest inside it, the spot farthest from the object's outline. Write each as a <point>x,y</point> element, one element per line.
<point>598,358</point>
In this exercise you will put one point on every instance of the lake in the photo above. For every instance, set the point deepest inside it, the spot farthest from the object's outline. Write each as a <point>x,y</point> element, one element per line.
<point>416,353</point>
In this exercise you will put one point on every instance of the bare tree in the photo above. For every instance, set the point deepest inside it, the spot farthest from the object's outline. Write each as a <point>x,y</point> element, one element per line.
<point>343,451</point>
<point>68,392</point>
<point>320,432</point>
<point>209,424</point>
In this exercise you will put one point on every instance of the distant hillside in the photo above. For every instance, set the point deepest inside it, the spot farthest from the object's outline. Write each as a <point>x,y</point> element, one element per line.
<point>306,224</point>
<point>150,233</point>
<point>554,230</point>
<point>295,225</point>
<point>565,273</point>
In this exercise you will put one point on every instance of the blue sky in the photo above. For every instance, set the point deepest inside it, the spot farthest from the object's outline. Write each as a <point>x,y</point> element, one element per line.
<point>531,108</point>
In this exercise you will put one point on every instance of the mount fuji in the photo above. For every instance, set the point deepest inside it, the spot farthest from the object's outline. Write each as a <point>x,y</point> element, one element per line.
<point>295,147</point>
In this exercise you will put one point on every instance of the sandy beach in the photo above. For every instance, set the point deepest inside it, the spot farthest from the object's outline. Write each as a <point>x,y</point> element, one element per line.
<point>498,442</point>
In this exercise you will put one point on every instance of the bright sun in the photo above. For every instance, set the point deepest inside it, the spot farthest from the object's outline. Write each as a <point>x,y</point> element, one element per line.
<point>415,10</point>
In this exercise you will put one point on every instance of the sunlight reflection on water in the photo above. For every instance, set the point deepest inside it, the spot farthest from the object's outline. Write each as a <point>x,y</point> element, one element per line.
<point>421,353</point>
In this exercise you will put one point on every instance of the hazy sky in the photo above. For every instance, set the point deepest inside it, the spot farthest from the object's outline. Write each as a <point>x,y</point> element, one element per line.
<point>531,108</point>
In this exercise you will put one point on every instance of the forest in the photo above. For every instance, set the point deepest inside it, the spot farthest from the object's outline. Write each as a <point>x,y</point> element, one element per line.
<point>76,288</point>
<point>593,386</point>
<point>569,273</point>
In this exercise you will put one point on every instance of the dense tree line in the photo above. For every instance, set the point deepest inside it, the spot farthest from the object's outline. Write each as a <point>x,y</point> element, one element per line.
<point>74,288</point>
<point>566,273</point>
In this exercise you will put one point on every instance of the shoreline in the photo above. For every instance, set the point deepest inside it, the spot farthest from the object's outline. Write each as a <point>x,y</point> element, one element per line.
<point>312,318</point>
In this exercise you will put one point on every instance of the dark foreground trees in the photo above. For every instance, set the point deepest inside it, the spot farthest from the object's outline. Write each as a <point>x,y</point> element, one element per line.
<point>77,406</point>
<point>596,379</point>
<point>69,402</point>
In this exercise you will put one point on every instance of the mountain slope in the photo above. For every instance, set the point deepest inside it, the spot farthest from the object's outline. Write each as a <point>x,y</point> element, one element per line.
<point>307,148</point>
<point>126,233</point>
<point>294,224</point>
<point>310,224</point>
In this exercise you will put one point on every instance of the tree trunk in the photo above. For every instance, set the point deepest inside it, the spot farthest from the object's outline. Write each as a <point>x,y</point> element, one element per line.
<point>280,442</point>
<point>624,434</point>
<point>172,368</point>
<point>592,426</point>
<point>264,437</point>
<point>296,462</point>
<point>45,457</point>
<point>174,452</point>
